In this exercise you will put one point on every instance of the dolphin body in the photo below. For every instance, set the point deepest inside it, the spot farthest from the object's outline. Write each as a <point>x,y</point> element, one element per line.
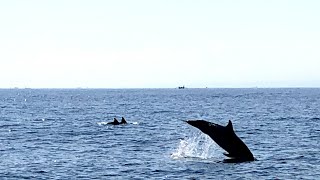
<point>226,138</point>
<point>123,121</point>
<point>115,122</point>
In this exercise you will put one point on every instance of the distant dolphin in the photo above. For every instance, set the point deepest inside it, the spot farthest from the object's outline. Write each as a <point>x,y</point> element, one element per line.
<point>123,121</point>
<point>226,138</point>
<point>115,122</point>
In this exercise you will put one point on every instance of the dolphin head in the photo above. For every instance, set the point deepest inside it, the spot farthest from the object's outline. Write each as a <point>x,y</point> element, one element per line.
<point>200,124</point>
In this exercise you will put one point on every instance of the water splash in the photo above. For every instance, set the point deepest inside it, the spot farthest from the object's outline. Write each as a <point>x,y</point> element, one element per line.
<point>196,146</point>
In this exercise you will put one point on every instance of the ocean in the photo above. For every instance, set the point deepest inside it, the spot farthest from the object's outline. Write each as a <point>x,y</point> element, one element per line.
<point>63,133</point>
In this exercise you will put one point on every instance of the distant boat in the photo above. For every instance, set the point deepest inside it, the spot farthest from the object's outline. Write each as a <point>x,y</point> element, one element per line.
<point>181,87</point>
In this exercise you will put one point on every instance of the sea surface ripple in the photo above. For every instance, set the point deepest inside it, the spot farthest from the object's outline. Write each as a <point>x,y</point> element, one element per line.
<point>63,133</point>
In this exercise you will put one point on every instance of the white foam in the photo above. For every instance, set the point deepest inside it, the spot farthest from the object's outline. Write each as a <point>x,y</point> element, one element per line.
<point>102,123</point>
<point>196,146</point>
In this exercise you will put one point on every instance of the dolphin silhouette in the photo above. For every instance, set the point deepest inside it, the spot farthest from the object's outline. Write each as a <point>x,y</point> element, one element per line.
<point>123,121</point>
<point>115,122</point>
<point>227,139</point>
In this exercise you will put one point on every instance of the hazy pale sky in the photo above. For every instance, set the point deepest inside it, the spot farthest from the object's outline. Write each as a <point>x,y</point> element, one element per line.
<point>159,43</point>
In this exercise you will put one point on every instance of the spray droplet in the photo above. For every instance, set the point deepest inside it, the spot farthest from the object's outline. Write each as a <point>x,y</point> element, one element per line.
<point>197,146</point>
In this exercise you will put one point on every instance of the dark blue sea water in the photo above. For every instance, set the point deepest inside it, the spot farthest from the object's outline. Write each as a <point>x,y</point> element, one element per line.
<point>62,133</point>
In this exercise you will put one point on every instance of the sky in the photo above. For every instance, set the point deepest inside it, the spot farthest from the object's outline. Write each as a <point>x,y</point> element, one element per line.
<point>159,43</point>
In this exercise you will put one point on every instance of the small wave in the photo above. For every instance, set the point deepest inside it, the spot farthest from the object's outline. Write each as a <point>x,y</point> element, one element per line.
<point>315,118</point>
<point>39,119</point>
<point>162,112</point>
<point>197,146</point>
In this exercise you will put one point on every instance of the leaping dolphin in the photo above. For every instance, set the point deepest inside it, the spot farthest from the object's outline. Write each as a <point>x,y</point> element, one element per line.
<point>226,138</point>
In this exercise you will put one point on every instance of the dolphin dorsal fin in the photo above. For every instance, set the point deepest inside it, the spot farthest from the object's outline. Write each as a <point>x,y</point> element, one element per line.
<point>229,126</point>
